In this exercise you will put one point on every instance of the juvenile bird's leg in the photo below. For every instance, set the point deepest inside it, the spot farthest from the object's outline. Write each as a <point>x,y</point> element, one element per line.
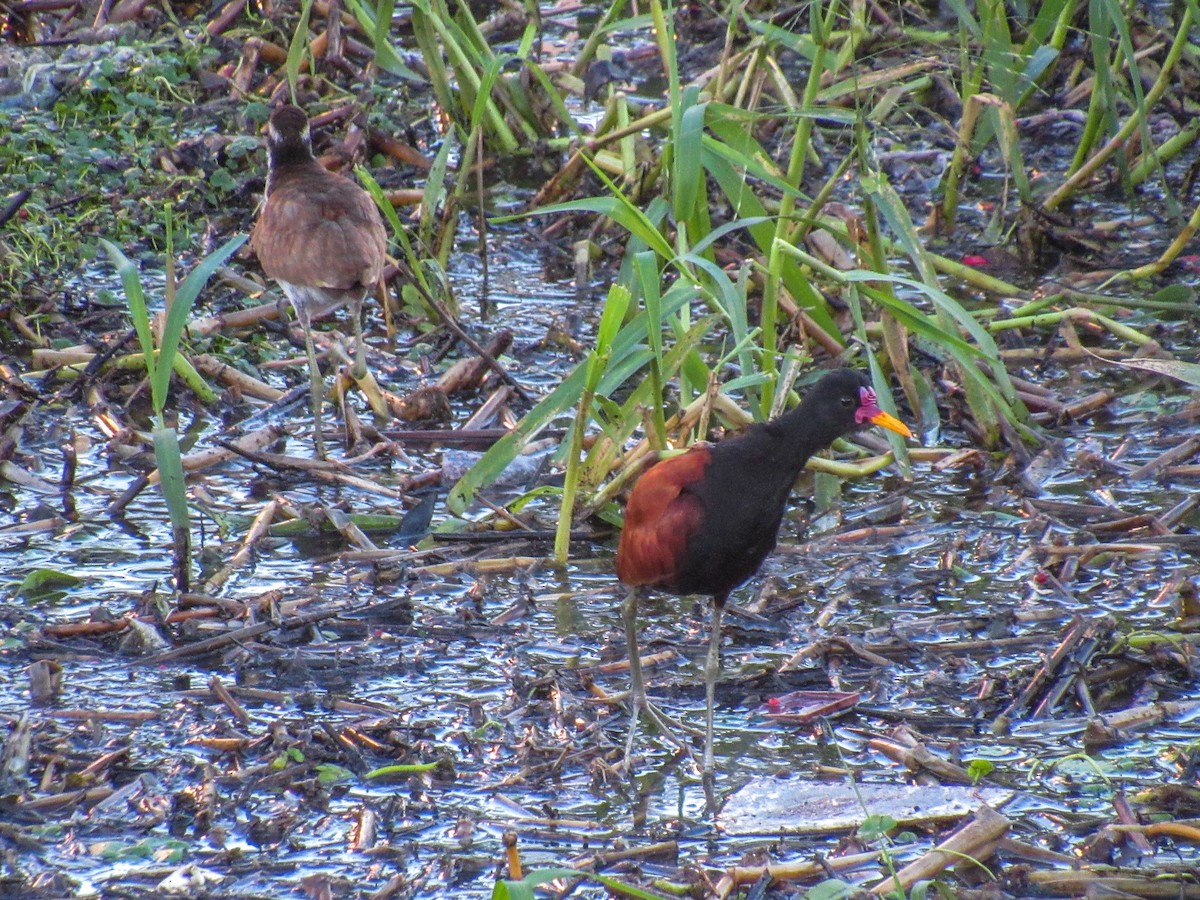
<point>316,384</point>
<point>359,368</point>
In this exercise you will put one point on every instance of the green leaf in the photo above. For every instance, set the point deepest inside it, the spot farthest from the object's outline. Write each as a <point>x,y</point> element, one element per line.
<point>171,478</point>
<point>1188,373</point>
<point>328,773</point>
<point>688,188</point>
<point>523,889</point>
<point>296,47</point>
<point>979,769</point>
<point>181,312</point>
<point>629,354</point>
<point>403,769</point>
<point>830,889</point>
<point>378,23</point>
<point>40,582</point>
<point>136,298</point>
<point>621,211</point>
<point>1175,294</point>
<point>875,827</point>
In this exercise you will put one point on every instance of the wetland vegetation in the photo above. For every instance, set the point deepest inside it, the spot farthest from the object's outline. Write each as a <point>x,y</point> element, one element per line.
<point>233,670</point>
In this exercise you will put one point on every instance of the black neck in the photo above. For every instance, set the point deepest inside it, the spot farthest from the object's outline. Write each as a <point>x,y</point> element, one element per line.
<point>804,431</point>
<point>288,155</point>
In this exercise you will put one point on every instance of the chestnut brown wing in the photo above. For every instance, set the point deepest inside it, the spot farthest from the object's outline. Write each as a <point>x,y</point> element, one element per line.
<point>660,519</point>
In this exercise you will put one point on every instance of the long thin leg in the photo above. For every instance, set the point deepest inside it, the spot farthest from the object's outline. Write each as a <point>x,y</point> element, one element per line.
<point>639,703</point>
<point>637,687</point>
<point>359,367</point>
<point>712,669</point>
<point>316,384</point>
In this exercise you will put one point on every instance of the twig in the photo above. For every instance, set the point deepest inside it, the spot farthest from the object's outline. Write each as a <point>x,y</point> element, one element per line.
<point>209,645</point>
<point>258,529</point>
<point>965,845</point>
<point>1075,633</point>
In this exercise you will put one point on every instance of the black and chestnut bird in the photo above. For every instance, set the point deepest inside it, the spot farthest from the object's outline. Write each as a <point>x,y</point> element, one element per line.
<point>320,236</point>
<point>703,522</point>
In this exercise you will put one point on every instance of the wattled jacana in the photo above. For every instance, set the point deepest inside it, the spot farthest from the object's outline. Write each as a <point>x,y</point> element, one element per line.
<point>703,522</point>
<point>320,236</point>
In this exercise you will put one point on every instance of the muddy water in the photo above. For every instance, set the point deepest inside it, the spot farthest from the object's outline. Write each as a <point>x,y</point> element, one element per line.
<point>487,673</point>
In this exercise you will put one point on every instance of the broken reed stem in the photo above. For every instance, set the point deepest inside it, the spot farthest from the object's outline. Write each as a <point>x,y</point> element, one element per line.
<point>969,844</point>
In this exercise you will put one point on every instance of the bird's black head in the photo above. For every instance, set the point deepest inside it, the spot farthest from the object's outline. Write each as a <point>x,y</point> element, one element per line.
<point>846,401</point>
<point>288,136</point>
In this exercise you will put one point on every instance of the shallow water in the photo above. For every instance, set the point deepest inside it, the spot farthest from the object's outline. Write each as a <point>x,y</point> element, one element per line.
<point>489,673</point>
<point>492,700</point>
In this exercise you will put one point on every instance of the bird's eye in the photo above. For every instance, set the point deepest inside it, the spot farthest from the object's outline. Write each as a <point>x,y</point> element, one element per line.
<point>847,402</point>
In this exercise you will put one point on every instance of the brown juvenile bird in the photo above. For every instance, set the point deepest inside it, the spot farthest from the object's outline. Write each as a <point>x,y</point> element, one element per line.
<point>320,236</point>
<point>704,521</point>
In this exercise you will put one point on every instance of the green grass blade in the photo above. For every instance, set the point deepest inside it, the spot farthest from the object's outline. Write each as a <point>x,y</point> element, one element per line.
<point>688,186</point>
<point>615,307</point>
<point>171,479</point>
<point>136,298</point>
<point>510,889</point>
<point>297,46</point>
<point>181,312</point>
<point>625,214</point>
<point>377,23</point>
<point>629,355</point>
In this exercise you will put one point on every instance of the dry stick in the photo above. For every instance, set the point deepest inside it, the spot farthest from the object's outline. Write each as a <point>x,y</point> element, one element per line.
<point>457,438</point>
<point>1093,632</point>
<point>1088,404</point>
<point>1090,883</point>
<point>102,715</point>
<point>1125,816</point>
<point>69,798</point>
<point>1176,513</point>
<point>248,443</point>
<point>96,766</point>
<point>1075,633</point>
<point>736,876</point>
<point>225,18</point>
<point>919,759</point>
<point>490,408</point>
<point>32,337</point>
<point>451,323</point>
<point>1088,551</point>
<point>467,374</point>
<point>242,75</point>
<point>1131,523</point>
<point>222,693</point>
<point>346,528</point>
<point>966,844</point>
<point>258,529</point>
<point>247,384</point>
<point>208,645</point>
<point>327,471</point>
<point>102,359</point>
<point>1176,454</point>
<point>86,629</point>
<point>14,474</point>
<point>242,318</point>
<point>1149,714</point>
